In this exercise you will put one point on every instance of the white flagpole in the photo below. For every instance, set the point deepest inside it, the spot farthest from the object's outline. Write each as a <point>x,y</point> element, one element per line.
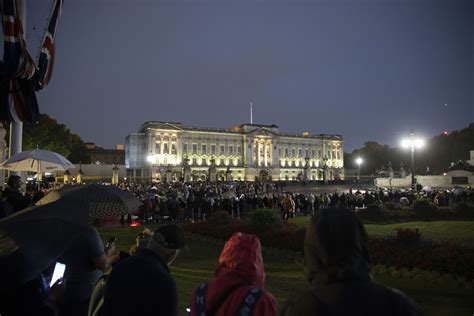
<point>251,113</point>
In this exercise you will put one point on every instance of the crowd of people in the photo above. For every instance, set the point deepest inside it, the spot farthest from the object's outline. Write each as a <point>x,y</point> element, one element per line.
<point>337,268</point>
<point>101,281</point>
<point>198,201</point>
<point>12,200</point>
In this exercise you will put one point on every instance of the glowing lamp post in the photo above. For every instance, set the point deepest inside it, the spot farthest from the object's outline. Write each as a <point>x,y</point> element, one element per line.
<point>412,143</point>
<point>358,162</point>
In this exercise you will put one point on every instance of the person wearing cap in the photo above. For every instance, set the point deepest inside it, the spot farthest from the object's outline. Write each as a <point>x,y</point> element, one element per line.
<point>337,266</point>
<point>142,284</point>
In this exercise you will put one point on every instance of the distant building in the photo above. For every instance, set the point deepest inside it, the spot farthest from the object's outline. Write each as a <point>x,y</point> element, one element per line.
<point>101,156</point>
<point>170,151</point>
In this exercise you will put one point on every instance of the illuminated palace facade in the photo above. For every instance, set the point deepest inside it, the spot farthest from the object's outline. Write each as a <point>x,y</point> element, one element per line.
<point>171,151</point>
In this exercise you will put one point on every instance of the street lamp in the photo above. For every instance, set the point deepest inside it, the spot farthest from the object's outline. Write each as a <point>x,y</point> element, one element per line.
<point>358,162</point>
<point>412,143</point>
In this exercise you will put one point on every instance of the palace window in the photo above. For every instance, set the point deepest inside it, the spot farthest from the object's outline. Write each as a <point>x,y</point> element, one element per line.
<point>222,150</point>
<point>165,148</point>
<point>239,150</point>
<point>213,149</point>
<point>286,152</point>
<point>203,149</point>
<point>231,150</point>
<point>293,152</point>
<point>307,153</point>
<point>158,148</point>
<point>185,148</point>
<point>195,148</point>
<point>312,153</point>
<point>299,153</point>
<point>194,161</point>
<point>173,149</point>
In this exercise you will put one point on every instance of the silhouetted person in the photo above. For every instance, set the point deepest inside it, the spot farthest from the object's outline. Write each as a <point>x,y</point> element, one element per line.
<point>337,266</point>
<point>13,196</point>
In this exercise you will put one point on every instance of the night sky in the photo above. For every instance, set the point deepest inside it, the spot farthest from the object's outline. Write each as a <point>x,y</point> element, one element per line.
<point>368,70</point>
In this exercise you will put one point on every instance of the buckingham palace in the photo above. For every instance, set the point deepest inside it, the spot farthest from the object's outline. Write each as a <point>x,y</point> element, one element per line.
<point>171,151</point>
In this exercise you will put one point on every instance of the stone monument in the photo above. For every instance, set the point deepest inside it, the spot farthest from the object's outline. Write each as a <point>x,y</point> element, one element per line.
<point>306,170</point>
<point>390,170</point>
<point>212,170</point>
<point>403,172</point>
<point>186,170</point>
<point>325,170</point>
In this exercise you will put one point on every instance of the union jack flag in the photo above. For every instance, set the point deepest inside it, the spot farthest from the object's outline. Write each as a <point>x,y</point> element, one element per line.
<point>18,61</point>
<point>46,58</point>
<point>20,77</point>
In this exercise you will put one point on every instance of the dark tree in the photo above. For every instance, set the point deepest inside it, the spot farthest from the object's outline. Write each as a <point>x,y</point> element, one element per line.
<point>50,135</point>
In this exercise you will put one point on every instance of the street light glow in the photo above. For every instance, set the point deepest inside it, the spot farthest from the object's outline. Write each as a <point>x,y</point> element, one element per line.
<point>359,161</point>
<point>405,143</point>
<point>412,142</point>
<point>419,143</point>
<point>150,158</point>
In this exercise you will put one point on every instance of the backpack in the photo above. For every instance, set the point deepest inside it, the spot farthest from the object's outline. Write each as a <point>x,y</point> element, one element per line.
<point>246,306</point>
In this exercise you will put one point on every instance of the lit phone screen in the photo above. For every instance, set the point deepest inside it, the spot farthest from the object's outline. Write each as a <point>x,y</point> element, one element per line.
<point>58,273</point>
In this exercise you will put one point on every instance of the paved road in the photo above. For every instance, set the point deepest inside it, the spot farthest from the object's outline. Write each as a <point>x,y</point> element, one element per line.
<point>325,189</point>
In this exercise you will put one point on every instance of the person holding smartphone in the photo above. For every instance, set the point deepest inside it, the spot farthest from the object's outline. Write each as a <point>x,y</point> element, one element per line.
<point>142,284</point>
<point>85,259</point>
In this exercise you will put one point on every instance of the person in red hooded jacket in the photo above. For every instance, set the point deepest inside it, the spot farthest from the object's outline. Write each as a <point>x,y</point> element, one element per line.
<point>238,283</point>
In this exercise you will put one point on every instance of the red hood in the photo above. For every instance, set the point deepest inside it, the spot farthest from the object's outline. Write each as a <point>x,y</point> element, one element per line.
<point>240,268</point>
<point>242,257</point>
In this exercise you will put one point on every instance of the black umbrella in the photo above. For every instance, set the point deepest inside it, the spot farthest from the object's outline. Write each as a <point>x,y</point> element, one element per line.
<point>102,201</point>
<point>31,240</point>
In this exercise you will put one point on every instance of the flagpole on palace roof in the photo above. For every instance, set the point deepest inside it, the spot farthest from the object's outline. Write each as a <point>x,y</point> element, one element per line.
<point>251,112</point>
<point>16,128</point>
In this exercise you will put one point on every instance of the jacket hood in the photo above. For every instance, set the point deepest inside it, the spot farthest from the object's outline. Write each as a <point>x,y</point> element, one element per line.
<point>336,248</point>
<point>242,258</point>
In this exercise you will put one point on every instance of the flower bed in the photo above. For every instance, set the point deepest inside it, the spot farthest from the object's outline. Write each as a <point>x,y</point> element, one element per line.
<point>422,210</point>
<point>405,250</point>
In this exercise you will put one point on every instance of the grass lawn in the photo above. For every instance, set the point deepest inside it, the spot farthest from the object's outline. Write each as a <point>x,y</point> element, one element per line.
<point>284,277</point>
<point>463,230</point>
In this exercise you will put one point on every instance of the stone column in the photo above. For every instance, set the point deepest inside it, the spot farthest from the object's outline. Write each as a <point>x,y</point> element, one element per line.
<point>79,177</point>
<point>66,177</point>
<point>265,154</point>
<point>259,152</point>
<point>115,173</point>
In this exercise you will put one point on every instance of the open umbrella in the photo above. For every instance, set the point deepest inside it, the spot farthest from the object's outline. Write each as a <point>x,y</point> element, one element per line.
<point>100,201</point>
<point>38,161</point>
<point>32,239</point>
